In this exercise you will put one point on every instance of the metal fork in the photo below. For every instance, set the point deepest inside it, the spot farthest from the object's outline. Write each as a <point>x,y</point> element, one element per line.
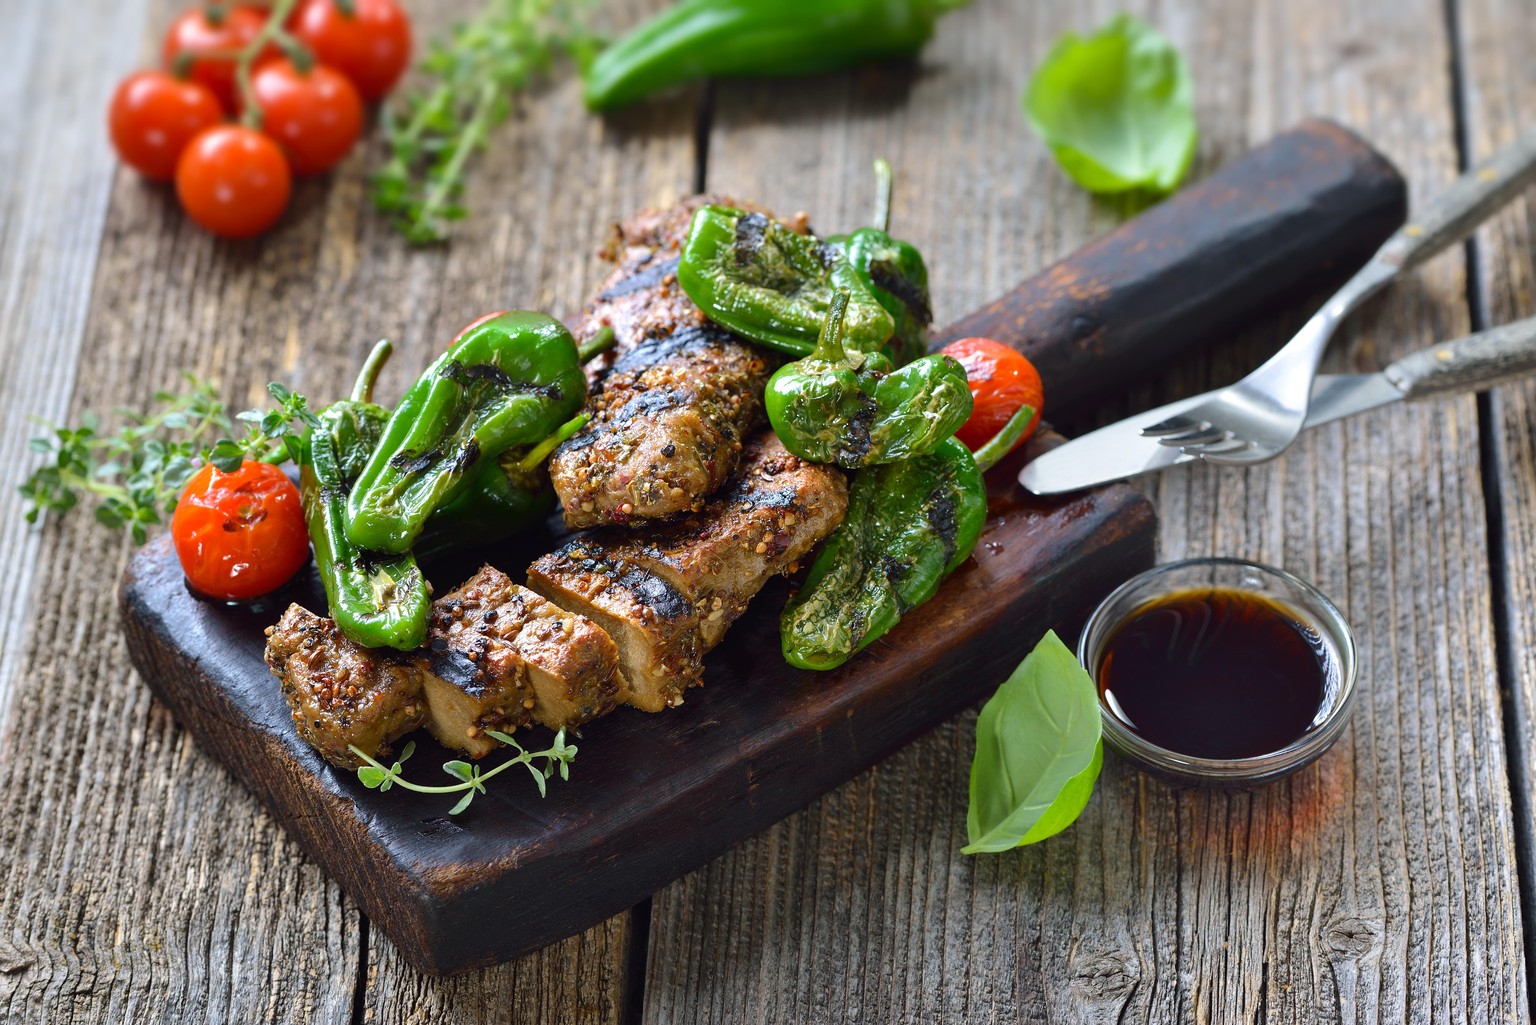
<point>1258,417</point>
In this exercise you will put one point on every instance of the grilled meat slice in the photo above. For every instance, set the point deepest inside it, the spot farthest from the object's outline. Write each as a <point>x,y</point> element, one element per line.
<point>666,429</point>
<point>774,511</point>
<point>501,656</point>
<point>340,692</point>
<point>656,628</point>
<point>672,400</point>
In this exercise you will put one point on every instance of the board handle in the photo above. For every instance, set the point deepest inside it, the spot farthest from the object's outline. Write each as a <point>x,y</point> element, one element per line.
<point>1309,206</point>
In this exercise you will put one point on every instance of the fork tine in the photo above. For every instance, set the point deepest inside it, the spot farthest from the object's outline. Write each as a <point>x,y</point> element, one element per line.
<point>1229,447</point>
<point>1197,439</point>
<point>1174,425</point>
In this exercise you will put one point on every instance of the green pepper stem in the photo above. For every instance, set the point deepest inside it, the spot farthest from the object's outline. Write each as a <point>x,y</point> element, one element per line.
<point>1002,443</point>
<point>882,218</point>
<point>362,390</point>
<point>598,343</point>
<point>829,344</point>
<point>541,451</point>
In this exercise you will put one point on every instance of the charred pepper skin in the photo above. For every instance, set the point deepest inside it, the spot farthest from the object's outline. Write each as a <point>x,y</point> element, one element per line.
<point>379,601</point>
<point>894,273</point>
<point>510,380</point>
<point>703,38</point>
<point>909,525</point>
<point>766,282</point>
<point>852,409</point>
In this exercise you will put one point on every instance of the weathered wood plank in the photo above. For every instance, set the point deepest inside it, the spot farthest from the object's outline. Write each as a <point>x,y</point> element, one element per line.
<point>1379,884</point>
<point>1499,99</point>
<point>58,66</point>
<point>141,881</point>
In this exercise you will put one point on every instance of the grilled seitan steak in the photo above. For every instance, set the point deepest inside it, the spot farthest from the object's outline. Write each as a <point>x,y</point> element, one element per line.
<point>774,511</point>
<point>674,398</point>
<point>500,656</point>
<point>342,693</point>
<point>656,628</point>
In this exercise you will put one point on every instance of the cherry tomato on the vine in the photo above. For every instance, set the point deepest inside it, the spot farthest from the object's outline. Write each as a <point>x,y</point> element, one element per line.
<point>234,181</point>
<point>1001,380</point>
<point>239,535</point>
<point>316,116</point>
<point>371,45</point>
<point>194,32</point>
<point>152,118</point>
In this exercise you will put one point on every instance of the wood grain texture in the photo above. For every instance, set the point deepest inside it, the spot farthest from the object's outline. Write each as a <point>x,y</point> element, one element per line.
<point>1378,885</point>
<point>1499,101</point>
<point>141,881</point>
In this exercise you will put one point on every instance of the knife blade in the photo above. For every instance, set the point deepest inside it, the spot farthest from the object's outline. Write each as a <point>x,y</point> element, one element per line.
<point>1120,450</point>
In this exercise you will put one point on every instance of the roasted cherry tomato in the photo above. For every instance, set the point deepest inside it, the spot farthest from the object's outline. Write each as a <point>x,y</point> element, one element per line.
<point>152,118</point>
<point>371,45</point>
<point>234,181</point>
<point>315,116</point>
<point>195,32</point>
<point>1001,381</point>
<point>239,535</point>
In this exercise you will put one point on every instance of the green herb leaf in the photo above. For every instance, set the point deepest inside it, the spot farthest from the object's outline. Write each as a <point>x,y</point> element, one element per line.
<point>458,769</point>
<point>1116,109</point>
<point>370,776</point>
<point>1038,752</point>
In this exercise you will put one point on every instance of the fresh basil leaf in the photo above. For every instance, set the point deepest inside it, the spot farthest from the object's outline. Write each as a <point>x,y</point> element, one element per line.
<point>1115,108</point>
<point>1038,752</point>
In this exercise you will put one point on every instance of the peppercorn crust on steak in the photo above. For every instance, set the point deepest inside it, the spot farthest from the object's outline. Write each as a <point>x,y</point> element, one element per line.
<point>671,402</point>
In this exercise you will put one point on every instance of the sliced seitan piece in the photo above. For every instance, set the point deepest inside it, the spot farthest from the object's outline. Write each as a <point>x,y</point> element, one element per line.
<point>673,398</point>
<point>500,657</point>
<point>656,628</point>
<point>342,693</point>
<point>775,509</point>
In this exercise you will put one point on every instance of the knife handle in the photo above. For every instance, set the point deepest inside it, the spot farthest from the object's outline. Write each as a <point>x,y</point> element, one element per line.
<point>1468,364</point>
<point>1474,197</point>
<point>1305,209</point>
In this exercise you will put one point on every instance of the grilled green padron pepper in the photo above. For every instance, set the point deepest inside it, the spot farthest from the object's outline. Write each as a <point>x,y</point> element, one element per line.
<point>893,272</point>
<point>852,409</point>
<point>774,285</point>
<point>507,495</point>
<point>909,525</point>
<point>377,600</point>
<point>509,381</point>
<point>702,38</point>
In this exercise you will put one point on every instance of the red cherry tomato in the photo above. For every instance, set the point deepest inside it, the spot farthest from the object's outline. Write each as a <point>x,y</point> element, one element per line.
<point>239,535</point>
<point>371,46</point>
<point>234,181</point>
<point>315,115</point>
<point>1001,381</point>
<point>193,32</point>
<point>152,118</point>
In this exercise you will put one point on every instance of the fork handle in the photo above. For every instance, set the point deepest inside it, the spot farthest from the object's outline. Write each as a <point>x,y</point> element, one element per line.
<point>1468,364</point>
<point>1473,198</point>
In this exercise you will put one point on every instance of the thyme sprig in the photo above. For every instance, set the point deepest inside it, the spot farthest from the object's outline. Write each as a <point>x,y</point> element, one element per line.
<point>475,77</point>
<point>137,472</point>
<point>375,775</point>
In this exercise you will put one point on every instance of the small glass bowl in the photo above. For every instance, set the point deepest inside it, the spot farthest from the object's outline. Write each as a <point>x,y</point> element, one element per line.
<point>1298,597</point>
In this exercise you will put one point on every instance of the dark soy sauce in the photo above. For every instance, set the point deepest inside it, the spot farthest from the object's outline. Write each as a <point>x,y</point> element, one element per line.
<point>1215,673</point>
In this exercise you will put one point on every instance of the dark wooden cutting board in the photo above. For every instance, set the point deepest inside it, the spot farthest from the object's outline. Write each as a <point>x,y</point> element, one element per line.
<point>652,797</point>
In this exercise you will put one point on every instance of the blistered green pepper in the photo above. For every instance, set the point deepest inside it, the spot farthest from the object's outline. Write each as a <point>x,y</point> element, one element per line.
<point>909,525</point>
<point>774,285</point>
<point>376,600</point>
<point>506,496</point>
<point>894,273</point>
<point>510,380</point>
<point>852,409</point>
<point>701,38</point>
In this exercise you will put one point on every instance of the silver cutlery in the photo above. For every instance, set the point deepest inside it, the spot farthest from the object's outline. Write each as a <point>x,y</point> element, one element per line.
<point>1124,449</point>
<point>1256,418</point>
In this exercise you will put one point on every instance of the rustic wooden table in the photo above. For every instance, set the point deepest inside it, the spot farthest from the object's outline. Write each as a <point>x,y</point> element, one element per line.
<point>1388,882</point>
